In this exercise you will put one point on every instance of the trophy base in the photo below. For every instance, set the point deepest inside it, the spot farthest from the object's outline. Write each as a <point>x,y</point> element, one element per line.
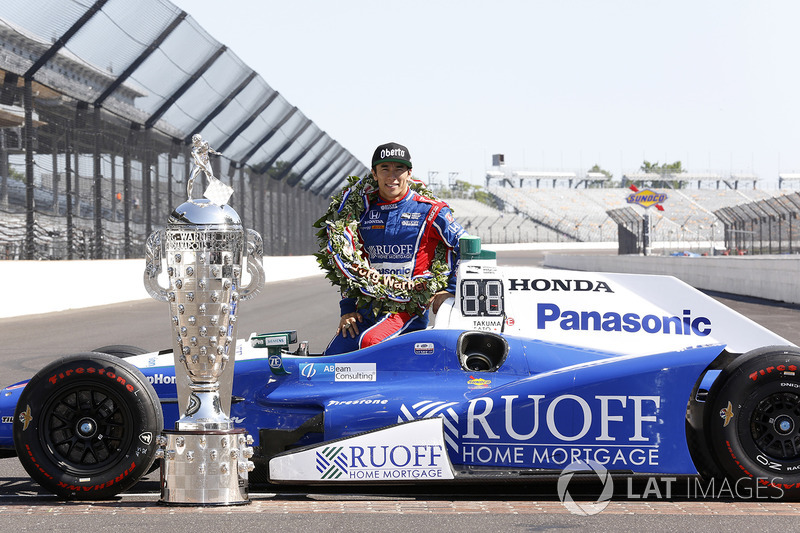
<point>205,468</point>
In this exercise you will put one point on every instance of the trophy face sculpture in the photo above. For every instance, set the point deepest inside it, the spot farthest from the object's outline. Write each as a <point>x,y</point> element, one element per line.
<point>205,459</point>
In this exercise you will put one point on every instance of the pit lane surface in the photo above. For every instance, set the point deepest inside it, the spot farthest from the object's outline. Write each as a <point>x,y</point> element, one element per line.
<point>310,306</point>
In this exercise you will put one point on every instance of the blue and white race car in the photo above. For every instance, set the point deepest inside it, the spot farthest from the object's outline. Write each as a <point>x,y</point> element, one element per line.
<point>526,372</point>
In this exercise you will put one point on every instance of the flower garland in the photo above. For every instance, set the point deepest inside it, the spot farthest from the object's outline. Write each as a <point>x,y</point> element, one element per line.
<point>342,255</point>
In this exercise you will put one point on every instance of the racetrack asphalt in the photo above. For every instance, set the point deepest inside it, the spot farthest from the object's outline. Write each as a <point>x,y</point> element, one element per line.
<point>309,306</point>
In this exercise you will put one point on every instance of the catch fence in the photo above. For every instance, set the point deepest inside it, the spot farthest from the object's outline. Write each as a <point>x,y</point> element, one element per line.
<point>98,104</point>
<point>764,227</point>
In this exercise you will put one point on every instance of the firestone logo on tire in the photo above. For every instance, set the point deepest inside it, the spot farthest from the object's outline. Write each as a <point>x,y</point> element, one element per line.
<point>109,373</point>
<point>585,508</point>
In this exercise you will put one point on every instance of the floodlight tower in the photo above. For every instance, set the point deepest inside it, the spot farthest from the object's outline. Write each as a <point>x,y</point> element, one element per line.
<point>432,177</point>
<point>452,177</point>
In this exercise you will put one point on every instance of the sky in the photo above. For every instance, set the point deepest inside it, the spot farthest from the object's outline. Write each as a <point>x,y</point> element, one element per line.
<point>552,85</point>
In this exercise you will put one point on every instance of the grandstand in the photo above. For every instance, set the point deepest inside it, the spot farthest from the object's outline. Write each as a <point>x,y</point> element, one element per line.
<point>521,178</point>
<point>695,214</point>
<point>581,214</point>
<point>789,180</point>
<point>566,208</point>
<point>98,105</point>
<point>689,180</point>
<point>495,226</point>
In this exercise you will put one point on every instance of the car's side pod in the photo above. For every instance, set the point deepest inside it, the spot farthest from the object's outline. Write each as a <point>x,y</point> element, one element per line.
<point>746,430</point>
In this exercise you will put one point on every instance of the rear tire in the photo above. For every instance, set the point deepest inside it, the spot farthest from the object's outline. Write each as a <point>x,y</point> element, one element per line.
<point>753,423</point>
<point>121,350</point>
<point>85,426</point>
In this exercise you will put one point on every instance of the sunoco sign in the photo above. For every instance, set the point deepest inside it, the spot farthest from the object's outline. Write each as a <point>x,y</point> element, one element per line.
<point>647,198</point>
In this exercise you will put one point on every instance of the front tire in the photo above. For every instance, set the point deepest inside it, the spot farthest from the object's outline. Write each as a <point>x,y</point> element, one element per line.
<point>85,426</point>
<point>753,423</point>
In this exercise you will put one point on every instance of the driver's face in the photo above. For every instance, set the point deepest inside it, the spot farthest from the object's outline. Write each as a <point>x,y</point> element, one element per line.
<point>392,180</point>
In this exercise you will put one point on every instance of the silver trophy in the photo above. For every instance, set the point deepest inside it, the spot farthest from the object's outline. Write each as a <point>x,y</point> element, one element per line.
<point>205,460</point>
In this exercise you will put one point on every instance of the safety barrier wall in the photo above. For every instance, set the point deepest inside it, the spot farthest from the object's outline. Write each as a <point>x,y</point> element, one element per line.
<point>773,277</point>
<point>49,286</point>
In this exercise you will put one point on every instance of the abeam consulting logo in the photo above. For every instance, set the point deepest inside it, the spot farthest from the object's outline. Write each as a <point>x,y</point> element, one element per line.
<point>585,508</point>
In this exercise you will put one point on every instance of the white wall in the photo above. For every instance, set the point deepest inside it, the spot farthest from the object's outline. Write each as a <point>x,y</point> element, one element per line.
<point>33,287</point>
<point>774,277</point>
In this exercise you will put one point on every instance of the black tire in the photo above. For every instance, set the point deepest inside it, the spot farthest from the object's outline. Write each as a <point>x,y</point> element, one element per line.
<point>121,350</point>
<point>753,423</point>
<point>85,426</point>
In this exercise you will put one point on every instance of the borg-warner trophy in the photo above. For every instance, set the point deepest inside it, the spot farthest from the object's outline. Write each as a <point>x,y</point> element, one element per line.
<point>204,460</point>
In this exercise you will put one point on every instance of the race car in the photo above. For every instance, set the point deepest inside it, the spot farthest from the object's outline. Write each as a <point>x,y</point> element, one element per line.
<point>526,372</point>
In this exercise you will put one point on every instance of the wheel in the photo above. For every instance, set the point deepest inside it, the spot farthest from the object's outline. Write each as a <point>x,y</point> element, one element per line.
<point>85,426</point>
<point>753,423</point>
<point>121,350</point>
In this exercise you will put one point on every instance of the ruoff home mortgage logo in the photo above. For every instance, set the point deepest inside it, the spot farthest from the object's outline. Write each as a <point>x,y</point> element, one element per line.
<point>331,462</point>
<point>647,198</point>
<point>585,508</point>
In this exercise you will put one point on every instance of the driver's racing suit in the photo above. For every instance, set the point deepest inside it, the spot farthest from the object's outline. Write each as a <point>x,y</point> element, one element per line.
<point>400,238</point>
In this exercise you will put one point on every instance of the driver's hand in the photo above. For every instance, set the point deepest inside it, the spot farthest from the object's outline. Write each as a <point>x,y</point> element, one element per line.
<point>349,324</point>
<point>438,299</point>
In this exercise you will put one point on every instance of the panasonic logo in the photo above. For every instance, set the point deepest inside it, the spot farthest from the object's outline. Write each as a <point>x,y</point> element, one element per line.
<point>568,320</point>
<point>396,271</point>
<point>577,285</point>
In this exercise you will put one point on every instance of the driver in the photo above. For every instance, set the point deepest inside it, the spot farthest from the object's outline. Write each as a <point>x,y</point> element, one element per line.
<point>400,230</point>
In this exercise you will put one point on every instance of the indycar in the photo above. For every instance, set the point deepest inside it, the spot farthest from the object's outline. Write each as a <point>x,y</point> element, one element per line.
<point>526,372</point>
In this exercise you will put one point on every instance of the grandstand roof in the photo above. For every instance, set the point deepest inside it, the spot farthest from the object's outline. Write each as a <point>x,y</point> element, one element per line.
<point>152,64</point>
<point>541,174</point>
<point>597,176</point>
